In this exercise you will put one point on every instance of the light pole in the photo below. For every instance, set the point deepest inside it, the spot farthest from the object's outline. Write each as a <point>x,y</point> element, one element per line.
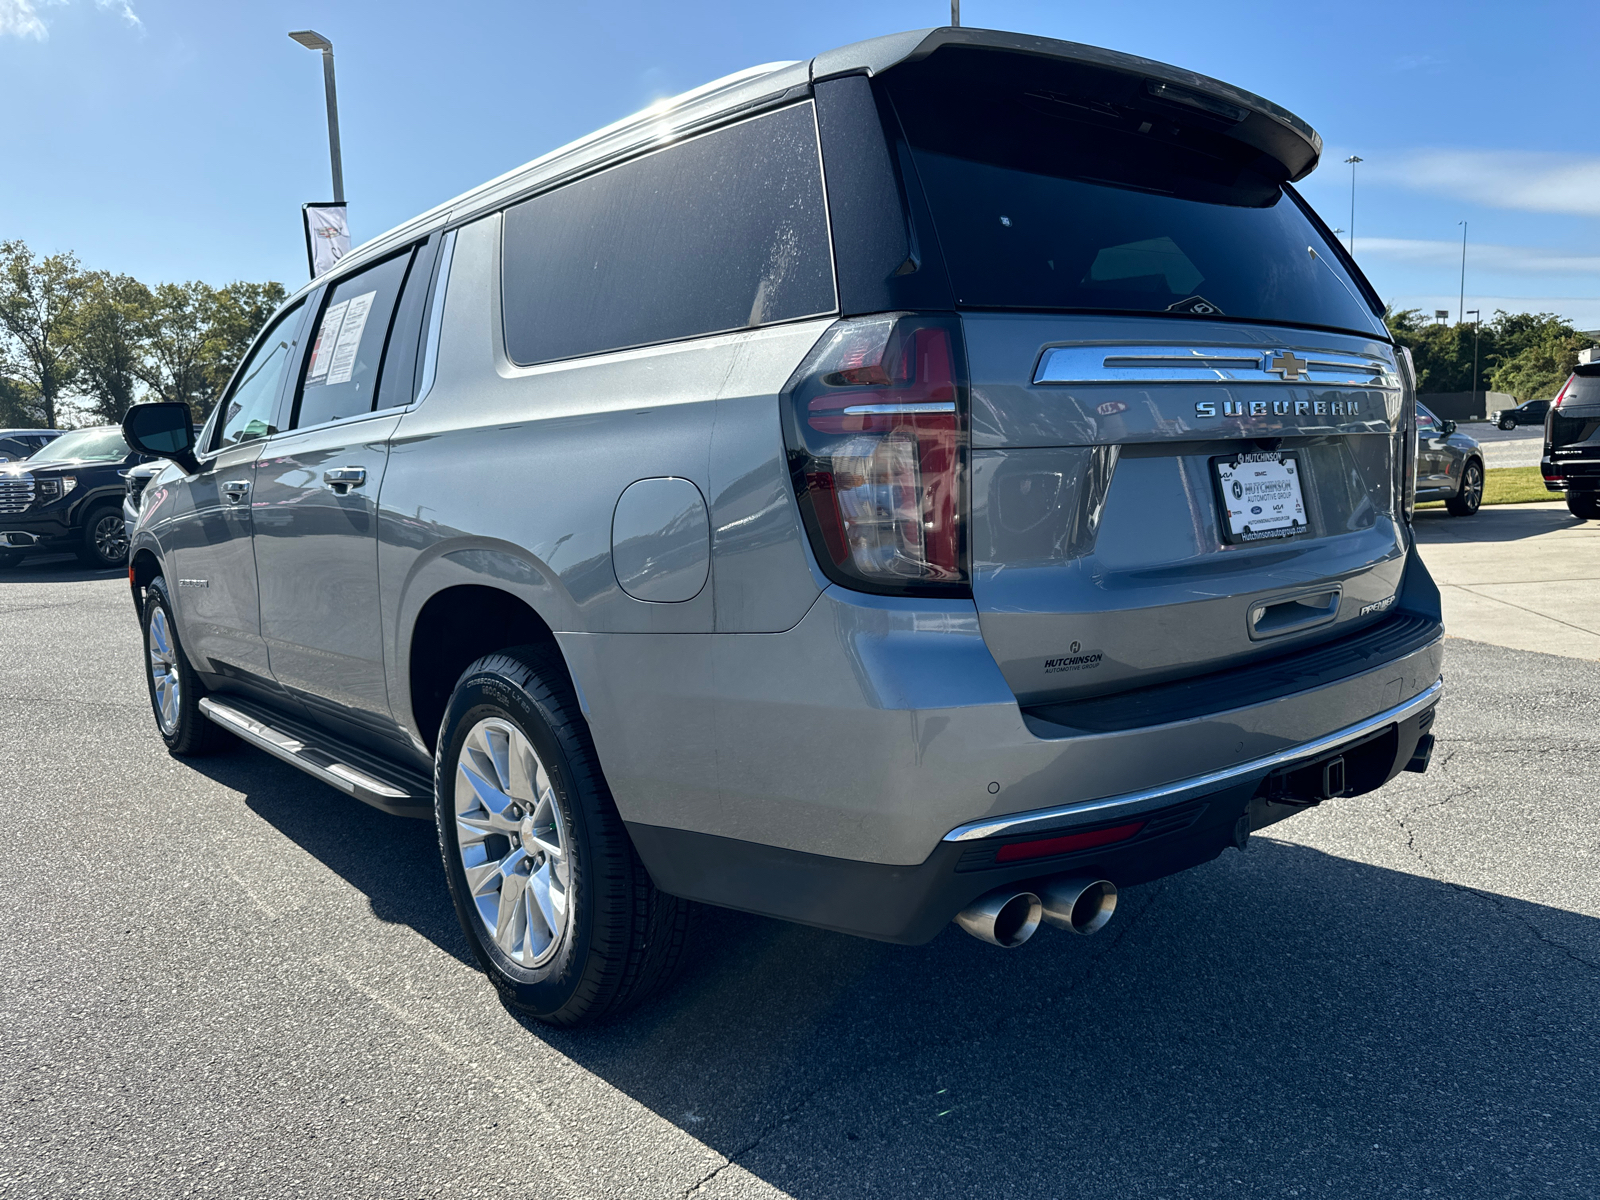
<point>1353,160</point>
<point>955,13</point>
<point>312,40</point>
<point>1461,307</point>
<point>1477,314</point>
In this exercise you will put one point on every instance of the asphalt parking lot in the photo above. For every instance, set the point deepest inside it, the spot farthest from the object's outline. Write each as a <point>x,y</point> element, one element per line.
<point>224,979</point>
<point>1519,447</point>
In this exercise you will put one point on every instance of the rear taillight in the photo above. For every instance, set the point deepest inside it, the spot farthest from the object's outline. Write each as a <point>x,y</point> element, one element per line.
<point>876,423</point>
<point>1562,394</point>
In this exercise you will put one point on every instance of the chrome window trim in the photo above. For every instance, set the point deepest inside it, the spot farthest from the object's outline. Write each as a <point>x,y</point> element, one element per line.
<point>1207,364</point>
<point>430,349</point>
<point>1051,819</point>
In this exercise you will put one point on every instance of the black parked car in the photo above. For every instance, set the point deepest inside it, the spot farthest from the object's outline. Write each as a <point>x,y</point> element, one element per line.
<point>1531,413</point>
<point>20,443</point>
<point>68,497</point>
<point>1571,462</point>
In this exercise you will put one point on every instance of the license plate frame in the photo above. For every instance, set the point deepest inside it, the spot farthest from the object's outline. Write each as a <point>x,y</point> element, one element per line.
<point>1279,502</point>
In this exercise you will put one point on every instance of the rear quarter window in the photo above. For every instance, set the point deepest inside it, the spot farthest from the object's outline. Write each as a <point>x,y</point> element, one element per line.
<point>725,231</point>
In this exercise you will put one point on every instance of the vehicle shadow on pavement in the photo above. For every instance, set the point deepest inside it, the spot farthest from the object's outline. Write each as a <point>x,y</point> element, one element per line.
<point>1494,523</point>
<point>393,861</point>
<point>56,568</point>
<point>1278,1020</point>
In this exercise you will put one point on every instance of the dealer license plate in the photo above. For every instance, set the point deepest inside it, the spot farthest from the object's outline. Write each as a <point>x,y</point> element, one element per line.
<point>1260,496</point>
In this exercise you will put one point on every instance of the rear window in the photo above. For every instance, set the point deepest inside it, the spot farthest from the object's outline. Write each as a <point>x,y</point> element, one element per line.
<point>724,231</point>
<point>1054,186</point>
<point>1583,389</point>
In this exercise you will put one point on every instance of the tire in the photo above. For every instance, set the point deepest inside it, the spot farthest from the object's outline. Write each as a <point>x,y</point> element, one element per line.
<point>104,538</point>
<point>519,796</point>
<point>1584,505</point>
<point>1467,500</point>
<point>175,690</point>
<point>1508,424</point>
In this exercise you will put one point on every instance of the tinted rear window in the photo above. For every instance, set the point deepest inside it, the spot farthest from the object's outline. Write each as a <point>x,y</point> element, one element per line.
<point>721,232</point>
<point>1057,187</point>
<point>1583,391</point>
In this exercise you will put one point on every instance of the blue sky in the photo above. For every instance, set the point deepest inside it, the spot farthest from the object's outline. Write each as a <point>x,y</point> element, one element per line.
<point>175,139</point>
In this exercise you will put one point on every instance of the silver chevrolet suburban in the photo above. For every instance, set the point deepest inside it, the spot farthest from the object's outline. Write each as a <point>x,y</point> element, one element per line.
<point>948,479</point>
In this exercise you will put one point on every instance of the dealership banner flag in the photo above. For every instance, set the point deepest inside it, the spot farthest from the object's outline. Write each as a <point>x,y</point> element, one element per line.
<point>327,235</point>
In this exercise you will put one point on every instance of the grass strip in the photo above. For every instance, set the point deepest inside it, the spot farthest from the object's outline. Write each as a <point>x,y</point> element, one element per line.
<point>1509,485</point>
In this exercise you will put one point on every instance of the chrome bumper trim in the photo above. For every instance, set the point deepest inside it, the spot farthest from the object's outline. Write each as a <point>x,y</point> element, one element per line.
<point>1050,819</point>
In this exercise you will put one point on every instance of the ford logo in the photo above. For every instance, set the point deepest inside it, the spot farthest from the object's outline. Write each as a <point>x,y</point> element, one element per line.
<point>1256,508</point>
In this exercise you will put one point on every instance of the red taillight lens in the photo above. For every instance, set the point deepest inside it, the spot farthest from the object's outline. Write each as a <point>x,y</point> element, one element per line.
<point>1562,394</point>
<point>1044,847</point>
<point>877,433</point>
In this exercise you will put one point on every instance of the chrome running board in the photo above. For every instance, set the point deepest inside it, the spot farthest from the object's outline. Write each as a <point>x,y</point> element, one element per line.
<point>1040,820</point>
<point>321,762</point>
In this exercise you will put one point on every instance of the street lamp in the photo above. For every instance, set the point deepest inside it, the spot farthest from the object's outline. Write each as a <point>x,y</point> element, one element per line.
<point>1353,160</point>
<point>1461,307</point>
<point>1476,315</point>
<point>312,40</point>
<point>955,13</point>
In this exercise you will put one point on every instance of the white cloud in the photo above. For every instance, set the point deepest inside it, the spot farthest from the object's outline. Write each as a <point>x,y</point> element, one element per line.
<point>20,18</point>
<point>1531,181</point>
<point>1480,256</point>
<point>122,8</point>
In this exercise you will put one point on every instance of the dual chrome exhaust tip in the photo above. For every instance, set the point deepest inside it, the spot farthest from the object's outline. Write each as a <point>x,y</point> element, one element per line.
<point>1007,917</point>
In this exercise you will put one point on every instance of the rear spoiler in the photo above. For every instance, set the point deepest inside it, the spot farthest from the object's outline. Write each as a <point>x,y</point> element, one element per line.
<point>1274,131</point>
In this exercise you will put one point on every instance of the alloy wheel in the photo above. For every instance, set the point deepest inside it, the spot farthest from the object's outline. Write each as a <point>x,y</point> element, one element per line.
<point>164,672</point>
<point>513,843</point>
<point>1472,486</point>
<point>111,538</point>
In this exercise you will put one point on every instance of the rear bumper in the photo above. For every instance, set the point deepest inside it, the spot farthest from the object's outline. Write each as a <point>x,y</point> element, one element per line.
<point>1178,826</point>
<point>1570,475</point>
<point>877,726</point>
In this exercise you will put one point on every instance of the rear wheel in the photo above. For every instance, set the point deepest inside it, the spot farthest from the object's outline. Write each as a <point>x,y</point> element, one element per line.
<point>1508,424</point>
<point>1466,501</point>
<point>175,690</point>
<point>105,537</point>
<point>1584,505</point>
<point>559,911</point>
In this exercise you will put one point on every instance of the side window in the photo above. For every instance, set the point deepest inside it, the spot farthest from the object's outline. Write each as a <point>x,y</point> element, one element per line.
<point>250,407</point>
<point>347,352</point>
<point>1427,425</point>
<point>725,231</point>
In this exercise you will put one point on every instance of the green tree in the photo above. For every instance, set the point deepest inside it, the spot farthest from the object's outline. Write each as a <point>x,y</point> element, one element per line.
<point>175,328</point>
<point>1534,354</point>
<point>112,330</point>
<point>1442,353</point>
<point>237,313</point>
<point>38,325</point>
<point>18,409</point>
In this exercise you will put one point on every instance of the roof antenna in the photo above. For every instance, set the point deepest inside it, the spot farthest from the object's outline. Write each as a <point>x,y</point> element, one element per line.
<point>955,13</point>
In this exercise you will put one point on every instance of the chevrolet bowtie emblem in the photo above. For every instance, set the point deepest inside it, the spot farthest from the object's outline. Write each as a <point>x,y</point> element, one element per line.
<point>1286,366</point>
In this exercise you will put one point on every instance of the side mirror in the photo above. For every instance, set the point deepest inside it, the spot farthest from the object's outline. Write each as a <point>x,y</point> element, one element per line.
<point>1446,428</point>
<point>165,430</point>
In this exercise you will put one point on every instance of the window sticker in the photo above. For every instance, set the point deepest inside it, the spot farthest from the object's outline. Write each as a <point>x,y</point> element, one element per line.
<point>327,335</point>
<point>343,361</point>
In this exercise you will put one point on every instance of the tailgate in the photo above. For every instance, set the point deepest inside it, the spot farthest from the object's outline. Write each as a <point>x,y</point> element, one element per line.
<point>1107,457</point>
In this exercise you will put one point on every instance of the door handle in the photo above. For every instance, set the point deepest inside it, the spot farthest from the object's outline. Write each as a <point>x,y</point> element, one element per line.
<point>236,491</point>
<point>342,479</point>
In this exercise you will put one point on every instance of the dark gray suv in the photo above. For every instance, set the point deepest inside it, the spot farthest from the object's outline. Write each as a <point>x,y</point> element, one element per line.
<point>946,479</point>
